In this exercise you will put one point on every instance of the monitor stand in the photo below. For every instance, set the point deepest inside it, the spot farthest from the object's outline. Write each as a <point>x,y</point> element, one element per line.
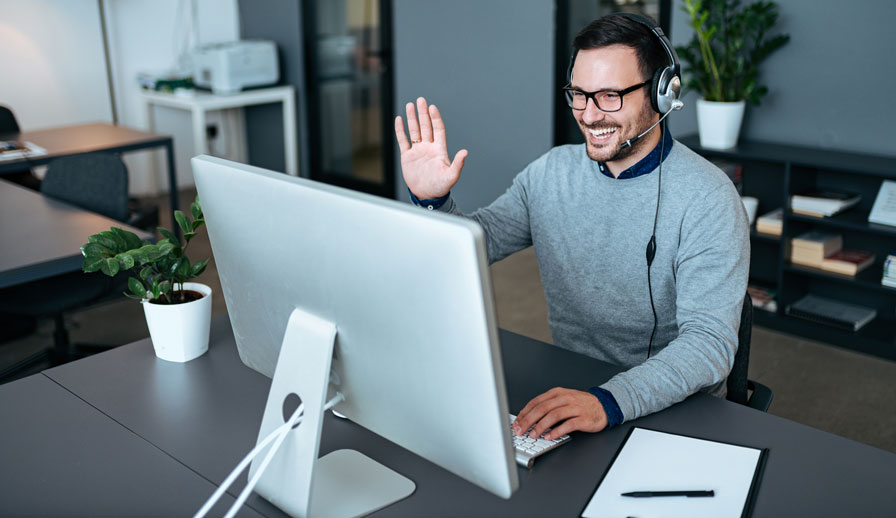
<point>341,483</point>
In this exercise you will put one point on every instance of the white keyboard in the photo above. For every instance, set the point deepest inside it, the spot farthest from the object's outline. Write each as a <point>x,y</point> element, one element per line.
<point>527,449</point>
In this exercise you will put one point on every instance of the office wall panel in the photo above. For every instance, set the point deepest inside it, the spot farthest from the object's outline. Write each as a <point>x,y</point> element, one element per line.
<point>488,66</point>
<point>829,86</point>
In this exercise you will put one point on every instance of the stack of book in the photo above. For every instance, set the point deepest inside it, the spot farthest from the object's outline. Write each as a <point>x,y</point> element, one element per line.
<point>771,223</point>
<point>890,271</point>
<point>822,203</point>
<point>832,312</point>
<point>825,250</point>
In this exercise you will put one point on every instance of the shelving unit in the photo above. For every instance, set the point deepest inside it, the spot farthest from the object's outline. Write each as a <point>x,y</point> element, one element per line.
<point>772,173</point>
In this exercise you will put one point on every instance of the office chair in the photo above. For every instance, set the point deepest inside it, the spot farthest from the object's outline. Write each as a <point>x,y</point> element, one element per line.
<point>96,182</point>
<point>9,130</point>
<point>740,389</point>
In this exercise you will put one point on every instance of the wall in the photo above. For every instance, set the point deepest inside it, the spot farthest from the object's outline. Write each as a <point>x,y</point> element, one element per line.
<point>488,67</point>
<point>52,63</point>
<point>829,86</point>
<point>54,70</point>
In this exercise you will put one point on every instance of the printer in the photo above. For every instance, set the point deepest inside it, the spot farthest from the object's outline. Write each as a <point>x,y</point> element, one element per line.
<point>227,68</point>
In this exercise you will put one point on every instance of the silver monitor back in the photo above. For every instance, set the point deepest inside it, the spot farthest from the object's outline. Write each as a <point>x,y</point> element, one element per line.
<point>409,291</point>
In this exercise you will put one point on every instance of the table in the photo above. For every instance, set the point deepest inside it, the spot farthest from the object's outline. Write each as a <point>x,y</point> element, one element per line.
<point>206,414</point>
<point>89,138</point>
<point>198,102</point>
<point>42,236</point>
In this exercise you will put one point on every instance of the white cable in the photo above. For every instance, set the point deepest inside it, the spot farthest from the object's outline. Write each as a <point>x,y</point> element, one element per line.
<point>277,436</point>
<point>245,462</point>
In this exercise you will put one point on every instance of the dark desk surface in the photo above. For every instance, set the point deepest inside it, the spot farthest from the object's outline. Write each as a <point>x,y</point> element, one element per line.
<point>82,138</point>
<point>62,457</point>
<point>206,414</point>
<point>42,237</point>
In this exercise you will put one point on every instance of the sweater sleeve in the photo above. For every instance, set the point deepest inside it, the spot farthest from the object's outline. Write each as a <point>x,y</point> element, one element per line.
<point>711,272</point>
<point>506,220</point>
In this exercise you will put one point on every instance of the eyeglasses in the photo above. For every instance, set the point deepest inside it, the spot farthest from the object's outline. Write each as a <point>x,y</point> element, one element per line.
<point>605,100</point>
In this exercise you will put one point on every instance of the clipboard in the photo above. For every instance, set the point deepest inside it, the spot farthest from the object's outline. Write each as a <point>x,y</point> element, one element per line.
<point>654,460</point>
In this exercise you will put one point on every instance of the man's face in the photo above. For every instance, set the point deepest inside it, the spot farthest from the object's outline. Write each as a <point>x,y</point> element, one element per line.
<point>613,68</point>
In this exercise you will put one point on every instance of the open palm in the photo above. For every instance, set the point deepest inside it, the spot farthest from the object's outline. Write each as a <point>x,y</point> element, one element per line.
<point>427,170</point>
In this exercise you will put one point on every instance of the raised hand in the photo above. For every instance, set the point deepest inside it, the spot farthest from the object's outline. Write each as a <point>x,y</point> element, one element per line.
<point>425,165</point>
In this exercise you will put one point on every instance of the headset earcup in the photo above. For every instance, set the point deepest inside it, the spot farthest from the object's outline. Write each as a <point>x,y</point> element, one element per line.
<point>655,92</point>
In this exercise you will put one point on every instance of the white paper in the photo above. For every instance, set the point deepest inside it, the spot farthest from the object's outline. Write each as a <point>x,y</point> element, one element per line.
<point>31,150</point>
<point>884,209</point>
<point>658,461</point>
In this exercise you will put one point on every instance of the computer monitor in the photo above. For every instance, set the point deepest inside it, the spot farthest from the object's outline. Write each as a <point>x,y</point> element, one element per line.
<point>416,352</point>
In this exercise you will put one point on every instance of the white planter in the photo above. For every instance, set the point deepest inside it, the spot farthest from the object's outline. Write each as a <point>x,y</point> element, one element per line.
<point>179,332</point>
<point>719,123</point>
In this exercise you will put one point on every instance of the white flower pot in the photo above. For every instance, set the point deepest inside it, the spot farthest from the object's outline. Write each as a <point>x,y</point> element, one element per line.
<point>719,123</point>
<point>179,332</point>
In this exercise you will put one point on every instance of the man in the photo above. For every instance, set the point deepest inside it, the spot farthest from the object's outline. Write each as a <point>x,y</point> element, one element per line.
<point>589,211</point>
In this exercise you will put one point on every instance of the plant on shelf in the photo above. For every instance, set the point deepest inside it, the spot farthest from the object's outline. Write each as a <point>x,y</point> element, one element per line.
<point>161,268</point>
<point>730,41</point>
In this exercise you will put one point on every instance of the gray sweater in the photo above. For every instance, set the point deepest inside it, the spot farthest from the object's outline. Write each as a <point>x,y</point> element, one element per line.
<point>590,233</point>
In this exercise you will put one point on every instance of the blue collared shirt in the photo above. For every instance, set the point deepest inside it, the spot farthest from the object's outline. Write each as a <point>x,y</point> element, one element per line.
<point>646,164</point>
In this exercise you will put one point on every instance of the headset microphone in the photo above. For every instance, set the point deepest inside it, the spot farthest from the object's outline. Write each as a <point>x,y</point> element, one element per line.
<point>676,105</point>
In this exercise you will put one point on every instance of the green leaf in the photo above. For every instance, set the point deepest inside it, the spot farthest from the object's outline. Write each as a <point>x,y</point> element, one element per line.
<point>95,250</point>
<point>92,263</point>
<point>130,238</point>
<point>125,260</point>
<point>155,288</point>
<point>122,238</point>
<point>197,269</point>
<point>168,235</point>
<point>182,221</point>
<point>130,296</point>
<point>110,267</point>
<point>189,235</point>
<point>164,287</point>
<point>195,210</point>
<point>165,247</point>
<point>104,239</point>
<point>146,272</point>
<point>136,287</point>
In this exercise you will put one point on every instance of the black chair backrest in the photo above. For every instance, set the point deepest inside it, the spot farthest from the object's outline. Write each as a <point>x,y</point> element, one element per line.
<point>8,123</point>
<point>737,379</point>
<point>96,181</point>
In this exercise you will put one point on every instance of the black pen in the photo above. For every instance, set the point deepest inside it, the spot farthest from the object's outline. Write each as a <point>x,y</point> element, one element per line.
<point>689,494</point>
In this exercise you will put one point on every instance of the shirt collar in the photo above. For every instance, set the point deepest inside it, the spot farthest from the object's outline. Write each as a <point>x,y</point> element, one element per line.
<point>646,164</point>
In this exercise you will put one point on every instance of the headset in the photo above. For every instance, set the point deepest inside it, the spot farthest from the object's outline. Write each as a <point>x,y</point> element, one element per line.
<point>665,89</point>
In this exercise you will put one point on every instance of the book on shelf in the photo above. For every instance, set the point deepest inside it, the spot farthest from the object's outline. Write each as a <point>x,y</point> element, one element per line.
<point>884,209</point>
<point>848,262</point>
<point>763,298</point>
<point>889,278</point>
<point>819,241</point>
<point>823,203</point>
<point>771,223</point>
<point>806,257</point>
<point>832,312</point>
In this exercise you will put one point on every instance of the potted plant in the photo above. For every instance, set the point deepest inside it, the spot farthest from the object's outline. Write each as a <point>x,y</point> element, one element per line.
<point>178,312</point>
<point>723,58</point>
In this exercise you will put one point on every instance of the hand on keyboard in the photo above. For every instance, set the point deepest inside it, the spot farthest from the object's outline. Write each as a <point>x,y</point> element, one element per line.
<point>527,448</point>
<point>563,410</point>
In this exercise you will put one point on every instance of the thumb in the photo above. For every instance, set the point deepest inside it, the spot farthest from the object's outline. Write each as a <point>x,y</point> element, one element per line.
<point>458,163</point>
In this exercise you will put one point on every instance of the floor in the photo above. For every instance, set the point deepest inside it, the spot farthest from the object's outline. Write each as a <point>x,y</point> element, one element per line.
<point>826,387</point>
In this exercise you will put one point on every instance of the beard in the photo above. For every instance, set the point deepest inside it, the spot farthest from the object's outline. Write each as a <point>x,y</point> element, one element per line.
<point>611,153</point>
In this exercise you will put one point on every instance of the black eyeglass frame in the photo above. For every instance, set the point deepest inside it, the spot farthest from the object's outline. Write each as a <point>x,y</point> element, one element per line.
<point>568,90</point>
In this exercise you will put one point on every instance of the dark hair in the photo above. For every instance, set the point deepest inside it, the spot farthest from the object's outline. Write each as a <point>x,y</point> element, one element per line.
<point>619,30</point>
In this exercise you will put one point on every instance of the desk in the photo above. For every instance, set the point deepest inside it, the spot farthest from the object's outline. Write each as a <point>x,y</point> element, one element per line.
<point>90,138</point>
<point>42,236</point>
<point>206,414</point>
<point>201,102</point>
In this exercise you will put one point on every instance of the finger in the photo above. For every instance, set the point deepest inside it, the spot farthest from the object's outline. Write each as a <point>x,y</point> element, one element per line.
<point>438,125</point>
<point>458,163</point>
<point>551,418</point>
<point>425,121</point>
<point>413,126</point>
<point>403,144</point>
<point>536,409</point>
<point>574,424</point>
